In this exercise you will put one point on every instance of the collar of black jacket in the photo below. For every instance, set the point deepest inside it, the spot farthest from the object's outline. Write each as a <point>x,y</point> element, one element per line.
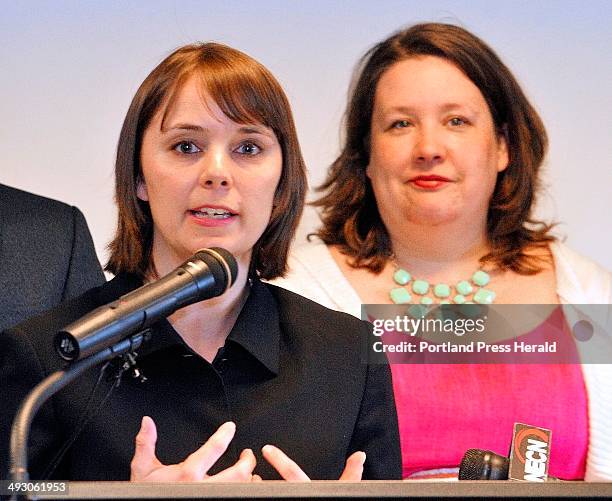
<point>257,328</point>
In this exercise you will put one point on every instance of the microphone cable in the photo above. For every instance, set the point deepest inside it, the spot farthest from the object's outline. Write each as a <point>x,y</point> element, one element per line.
<point>88,412</point>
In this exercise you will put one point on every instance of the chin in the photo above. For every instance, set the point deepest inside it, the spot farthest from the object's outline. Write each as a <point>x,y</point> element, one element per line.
<point>434,216</point>
<point>216,241</point>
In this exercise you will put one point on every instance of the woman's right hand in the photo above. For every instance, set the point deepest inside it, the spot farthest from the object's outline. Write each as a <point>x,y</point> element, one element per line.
<point>145,466</point>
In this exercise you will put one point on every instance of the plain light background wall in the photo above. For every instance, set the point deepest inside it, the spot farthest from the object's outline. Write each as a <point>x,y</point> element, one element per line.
<point>70,69</point>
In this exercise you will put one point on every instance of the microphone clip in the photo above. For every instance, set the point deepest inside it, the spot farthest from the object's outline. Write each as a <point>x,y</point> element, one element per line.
<point>127,363</point>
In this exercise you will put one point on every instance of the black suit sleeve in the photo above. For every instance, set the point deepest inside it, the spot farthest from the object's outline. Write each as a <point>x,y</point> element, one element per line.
<point>84,270</point>
<point>376,431</point>
<point>20,371</point>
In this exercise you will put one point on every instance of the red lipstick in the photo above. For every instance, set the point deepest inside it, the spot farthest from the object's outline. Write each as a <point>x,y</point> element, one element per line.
<point>429,182</point>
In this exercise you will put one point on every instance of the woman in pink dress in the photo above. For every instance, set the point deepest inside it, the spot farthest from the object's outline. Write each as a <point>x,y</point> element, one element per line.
<point>431,201</point>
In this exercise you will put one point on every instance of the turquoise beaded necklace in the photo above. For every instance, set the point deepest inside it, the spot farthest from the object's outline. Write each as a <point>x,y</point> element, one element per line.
<point>466,291</point>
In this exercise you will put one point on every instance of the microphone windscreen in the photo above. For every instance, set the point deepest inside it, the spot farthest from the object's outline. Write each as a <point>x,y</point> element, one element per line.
<point>223,267</point>
<point>230,261</point>
<point>483,465</point>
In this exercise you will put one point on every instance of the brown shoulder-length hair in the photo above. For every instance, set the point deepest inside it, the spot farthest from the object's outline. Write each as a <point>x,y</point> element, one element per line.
<point>349,213</point>
<point>248,94</point>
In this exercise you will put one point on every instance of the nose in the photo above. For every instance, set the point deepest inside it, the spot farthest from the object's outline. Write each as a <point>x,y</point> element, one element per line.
<point>428,149</point>
<point>216,171</point>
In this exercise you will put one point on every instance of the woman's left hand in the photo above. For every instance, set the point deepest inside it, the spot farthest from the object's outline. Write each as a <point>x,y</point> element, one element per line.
<point>289,470</point>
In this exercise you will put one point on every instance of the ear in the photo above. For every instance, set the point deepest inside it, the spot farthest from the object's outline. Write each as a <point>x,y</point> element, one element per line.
<point>503,157</point>
<point>141,190</point>
<point>367,172</point>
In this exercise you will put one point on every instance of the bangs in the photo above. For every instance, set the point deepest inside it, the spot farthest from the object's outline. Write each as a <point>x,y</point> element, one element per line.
<point>245,93</point>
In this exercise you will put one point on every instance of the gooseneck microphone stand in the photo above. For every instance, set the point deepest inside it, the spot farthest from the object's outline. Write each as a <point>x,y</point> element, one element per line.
<point>48,387</point>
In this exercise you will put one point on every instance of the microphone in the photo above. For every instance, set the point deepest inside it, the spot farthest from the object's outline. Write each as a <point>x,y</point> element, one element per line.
<point>207,274</point>
<point>478,464</point>
<point>529,458</point>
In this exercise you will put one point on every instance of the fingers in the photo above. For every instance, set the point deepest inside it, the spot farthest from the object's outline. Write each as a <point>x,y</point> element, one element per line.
<point>146,466</point>
<point>285,466</point>
<point>144,460</point>
<point>241,471</point>
<point>199,462</point>
<point>354,467</point>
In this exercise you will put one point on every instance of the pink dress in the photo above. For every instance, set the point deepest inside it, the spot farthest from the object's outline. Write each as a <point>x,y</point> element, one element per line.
<point>445,409</point>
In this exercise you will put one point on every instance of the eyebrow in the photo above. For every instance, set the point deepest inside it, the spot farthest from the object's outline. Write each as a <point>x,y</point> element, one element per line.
<point>249,129</point>
<point>444,108</point>
<point>452,106</point>
<point>183,126</point>
<point>246,129</point>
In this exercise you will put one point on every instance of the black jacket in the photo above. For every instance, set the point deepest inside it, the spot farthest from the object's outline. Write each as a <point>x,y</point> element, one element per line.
<point>290,374</point>
<point>46,255</point>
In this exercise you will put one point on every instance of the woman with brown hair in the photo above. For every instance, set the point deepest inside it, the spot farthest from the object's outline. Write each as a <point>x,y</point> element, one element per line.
<point>431,201</point>
<point>208,157</point>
